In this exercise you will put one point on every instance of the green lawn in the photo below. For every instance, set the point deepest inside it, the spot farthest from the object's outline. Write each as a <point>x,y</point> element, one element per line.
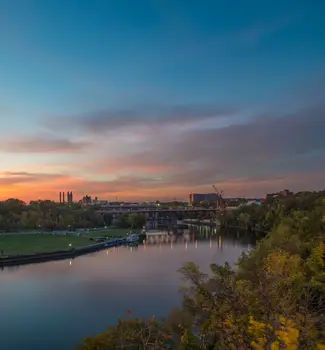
<point>38,243</point>
<point>19,244</point>
<point>108,232</point>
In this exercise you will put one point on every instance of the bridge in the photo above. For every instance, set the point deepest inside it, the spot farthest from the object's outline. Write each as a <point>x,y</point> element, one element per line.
<point>161,217</point>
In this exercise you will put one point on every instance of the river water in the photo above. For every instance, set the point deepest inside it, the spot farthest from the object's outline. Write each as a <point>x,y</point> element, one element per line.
<point>54,305</point>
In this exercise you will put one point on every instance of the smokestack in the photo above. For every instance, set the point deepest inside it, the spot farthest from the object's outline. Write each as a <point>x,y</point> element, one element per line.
<point>63,200</point>
<point>60,197</point>
<point>69,197</point>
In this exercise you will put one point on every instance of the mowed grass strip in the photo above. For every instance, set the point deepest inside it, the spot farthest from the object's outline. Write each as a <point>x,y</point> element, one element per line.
<point>16,244</point>
<point>111,232</point>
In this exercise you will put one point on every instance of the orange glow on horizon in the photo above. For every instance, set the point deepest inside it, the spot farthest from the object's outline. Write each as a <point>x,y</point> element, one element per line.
<point>44,187</point>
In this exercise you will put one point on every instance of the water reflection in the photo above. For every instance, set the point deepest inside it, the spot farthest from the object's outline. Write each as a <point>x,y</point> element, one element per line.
<point>53,305</point>
<point>196,234</point>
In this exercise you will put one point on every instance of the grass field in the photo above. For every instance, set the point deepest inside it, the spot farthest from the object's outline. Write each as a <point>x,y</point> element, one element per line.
<point>110,232</point>
<point>19,244</point>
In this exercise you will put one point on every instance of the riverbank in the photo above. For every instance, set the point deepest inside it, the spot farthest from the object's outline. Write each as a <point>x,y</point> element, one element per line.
<point>58,255</point>
<point>32,243</point>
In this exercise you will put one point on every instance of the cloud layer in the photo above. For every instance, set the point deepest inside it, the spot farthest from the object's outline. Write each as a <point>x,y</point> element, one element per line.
<point>134,154</point>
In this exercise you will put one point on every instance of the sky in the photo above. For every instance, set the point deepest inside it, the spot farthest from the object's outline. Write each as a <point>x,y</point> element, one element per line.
<point>155,99</point>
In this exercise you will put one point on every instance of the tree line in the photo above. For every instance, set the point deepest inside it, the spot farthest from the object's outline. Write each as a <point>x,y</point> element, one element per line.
<point>261,219</point>
<point>273,299</point>
<point>16,215</point>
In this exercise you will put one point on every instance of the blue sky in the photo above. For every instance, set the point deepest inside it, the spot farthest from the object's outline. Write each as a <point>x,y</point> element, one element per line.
<point>143,63</point>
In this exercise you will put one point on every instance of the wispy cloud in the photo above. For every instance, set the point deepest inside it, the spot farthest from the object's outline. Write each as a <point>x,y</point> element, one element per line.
<point>22,177</point>
<point>41,145</point>
<point>146,116</point>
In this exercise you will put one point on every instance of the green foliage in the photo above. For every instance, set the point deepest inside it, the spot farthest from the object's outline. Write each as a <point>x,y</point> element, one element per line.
<point>189,341</point>
<point>136,221</point>
<point>131,334</point>
<point>303,211</point>
<point>275,299</point>
<point>133,220</point>
<point>16,215</point>
<point>122,221</point>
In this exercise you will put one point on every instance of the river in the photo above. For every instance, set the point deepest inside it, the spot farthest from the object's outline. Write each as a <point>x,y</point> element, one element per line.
<point>53,305</point>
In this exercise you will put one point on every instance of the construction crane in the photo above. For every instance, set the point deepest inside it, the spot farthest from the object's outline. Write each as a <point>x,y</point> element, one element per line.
<point>220,201</point>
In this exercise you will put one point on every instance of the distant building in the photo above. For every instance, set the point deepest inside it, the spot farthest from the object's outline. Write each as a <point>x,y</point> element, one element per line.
<point>234,202</point>
<point>283,193</point>
<point>253,201</point>
<point>62,197</point>
<point>70,197</point>
<point>98,201</point>
<point>86,199</point>
<point>196,198</point>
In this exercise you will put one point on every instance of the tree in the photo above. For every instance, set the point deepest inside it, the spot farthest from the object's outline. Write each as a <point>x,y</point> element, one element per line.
<point>130,334</point>
<point>244,219</point>
<point>122,221</point>
<point>136,221</point>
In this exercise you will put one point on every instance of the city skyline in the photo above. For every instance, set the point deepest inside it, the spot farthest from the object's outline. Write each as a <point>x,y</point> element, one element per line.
<point>154,100</point>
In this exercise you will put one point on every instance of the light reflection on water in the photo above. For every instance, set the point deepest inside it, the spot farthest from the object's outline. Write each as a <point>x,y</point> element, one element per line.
<point>54,305</point>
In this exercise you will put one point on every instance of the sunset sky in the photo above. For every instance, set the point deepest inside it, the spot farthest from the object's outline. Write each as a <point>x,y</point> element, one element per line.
<point>145,100</point>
